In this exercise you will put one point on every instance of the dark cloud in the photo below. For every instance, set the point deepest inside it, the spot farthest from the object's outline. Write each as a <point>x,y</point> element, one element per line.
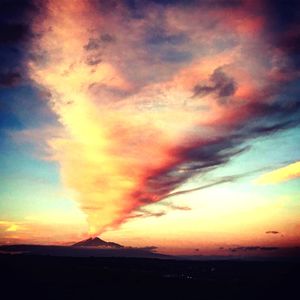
<point>158,36</point>
<point>224,84</point>
<point>96,47</point>
<point>280,108</point>
<point>15,18</point>
<point>144,213</point>
<point>170,206</point>
<point>16,9</point>
<point>214,183</point>
<point>21,105</point>
<point>161,45</point>
<point>265,251</point>
<point>175,56</point>
<point>268,118</point>
<point>272,232</point>
<point>155,214</point>
<point>149,248</point>
<point>208,4</point>
<point>172,2</point>
<point>253,248</point>
<point>10,79</point>
<point>283,27</point>
<point>179,207</point>
<point>107,38</point>
<point>273,128</point>
<point>202,90</point>
<point>93,60</point>
<point>13,33</point>
<point>93,44</point>
<point>108,6</point>
<point>221,84</point>
<point>136,7</point>
<point>201,160</point>
<point>258,119</point>
<point>290,42</point>
<point>282,15</point>
<point>102,90</point>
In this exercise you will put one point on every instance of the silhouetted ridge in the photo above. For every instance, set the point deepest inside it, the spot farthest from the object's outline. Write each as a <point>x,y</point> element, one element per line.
<point>97,242</point>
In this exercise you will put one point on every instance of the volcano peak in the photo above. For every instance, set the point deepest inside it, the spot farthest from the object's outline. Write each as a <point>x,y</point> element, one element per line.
<point>96,242</point>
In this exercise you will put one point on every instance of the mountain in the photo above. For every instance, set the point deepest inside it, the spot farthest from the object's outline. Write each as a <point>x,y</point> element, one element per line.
<point>97,242</point>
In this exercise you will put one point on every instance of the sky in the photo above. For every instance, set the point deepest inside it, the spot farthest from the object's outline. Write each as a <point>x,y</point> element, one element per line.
<point>172,124</point>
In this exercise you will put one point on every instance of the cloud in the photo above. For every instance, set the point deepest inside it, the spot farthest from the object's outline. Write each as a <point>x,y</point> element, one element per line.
<point>141,110</point>
<point>253,248</point>
<point>12,33</point>
<point>269,251</point>
<point>221,84</point>
<point>291,171</point>
<point>171,206</point>
<point>272,232</point>
<point>214,183</point>
<point>15,20</point>
<point>143,213</point>
<point>180,207</point>
<point>9,79</point>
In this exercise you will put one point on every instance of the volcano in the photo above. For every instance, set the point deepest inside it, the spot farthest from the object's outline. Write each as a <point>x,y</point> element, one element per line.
<point>97,242</point>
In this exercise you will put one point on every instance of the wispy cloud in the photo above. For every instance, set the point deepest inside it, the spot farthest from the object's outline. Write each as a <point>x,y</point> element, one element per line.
<point>291,171</point>
<point>253,248</point>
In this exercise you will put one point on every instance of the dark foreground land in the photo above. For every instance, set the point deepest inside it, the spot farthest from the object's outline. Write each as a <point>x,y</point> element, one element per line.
<point>50,277</point>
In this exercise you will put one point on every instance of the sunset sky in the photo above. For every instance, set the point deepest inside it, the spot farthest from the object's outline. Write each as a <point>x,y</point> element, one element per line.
<point>172,124</point>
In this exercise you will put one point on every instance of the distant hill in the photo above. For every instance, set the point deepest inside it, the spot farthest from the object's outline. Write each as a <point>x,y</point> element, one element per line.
<point>97,242</point>
<point>81,251</point>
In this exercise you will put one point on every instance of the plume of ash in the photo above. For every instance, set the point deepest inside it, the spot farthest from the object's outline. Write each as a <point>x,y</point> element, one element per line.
<point>146,104</point>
